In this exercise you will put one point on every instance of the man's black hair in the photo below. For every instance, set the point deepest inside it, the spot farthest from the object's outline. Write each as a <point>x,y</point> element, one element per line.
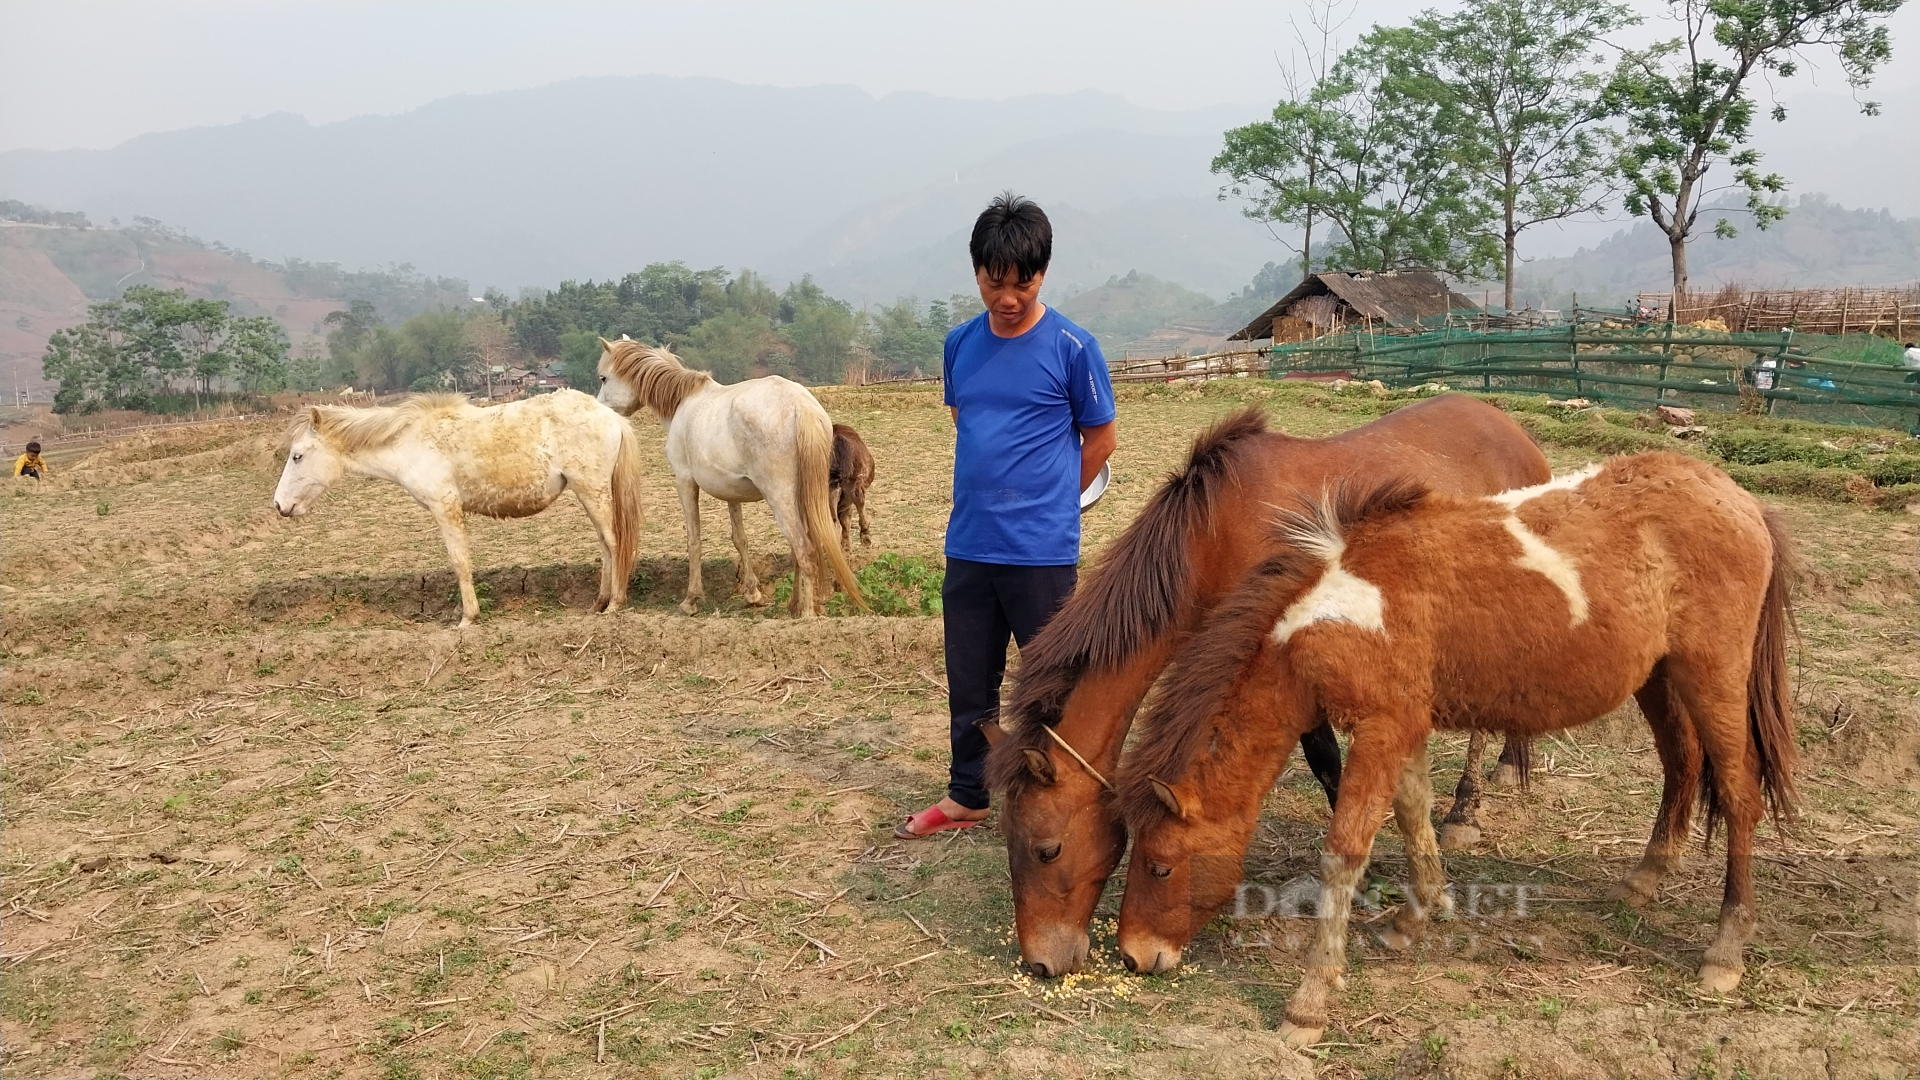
<point>1012,234</point>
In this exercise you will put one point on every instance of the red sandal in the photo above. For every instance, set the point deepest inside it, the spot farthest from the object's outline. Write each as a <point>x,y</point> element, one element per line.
<point>930,821</point>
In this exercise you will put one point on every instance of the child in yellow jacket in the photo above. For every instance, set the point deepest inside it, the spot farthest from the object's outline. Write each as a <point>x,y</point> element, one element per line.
<point>31,463</point>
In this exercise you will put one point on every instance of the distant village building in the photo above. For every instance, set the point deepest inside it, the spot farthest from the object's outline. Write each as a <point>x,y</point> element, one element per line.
<point>1337,300</point>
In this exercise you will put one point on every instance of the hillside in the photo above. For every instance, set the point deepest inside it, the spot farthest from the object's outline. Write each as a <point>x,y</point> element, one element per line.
<point>1819,243</point>
<point>48,276</point>
<point>1128,308</point>
<point>592,177</point>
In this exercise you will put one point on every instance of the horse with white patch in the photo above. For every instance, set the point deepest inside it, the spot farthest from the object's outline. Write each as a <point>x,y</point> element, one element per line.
<point>1399,611</point>
<point>505,461</point>
<point>762,438</point>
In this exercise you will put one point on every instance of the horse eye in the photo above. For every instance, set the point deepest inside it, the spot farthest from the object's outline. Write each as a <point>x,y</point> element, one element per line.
<point>297,457</point>
<point>1048,851</point>
<point>1159,870</point>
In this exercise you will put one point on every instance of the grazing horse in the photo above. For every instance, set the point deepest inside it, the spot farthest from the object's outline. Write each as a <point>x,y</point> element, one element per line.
<point>1393,611</point>
<point>1082,677</point>
<point>506,461</point>
<point>759,439</point>
<point>847,482</point>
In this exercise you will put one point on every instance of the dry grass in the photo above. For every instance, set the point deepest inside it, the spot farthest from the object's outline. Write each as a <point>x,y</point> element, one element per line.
<point>269,815</point>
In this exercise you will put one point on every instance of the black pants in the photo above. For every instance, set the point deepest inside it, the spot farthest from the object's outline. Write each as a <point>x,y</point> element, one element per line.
<point>984,603</point>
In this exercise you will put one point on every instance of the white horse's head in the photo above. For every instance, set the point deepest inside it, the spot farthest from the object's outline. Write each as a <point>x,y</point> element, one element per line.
<point>616,393</point>
<point>312,467</point>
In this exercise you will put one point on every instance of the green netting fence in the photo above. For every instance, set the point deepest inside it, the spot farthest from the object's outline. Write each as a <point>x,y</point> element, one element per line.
<point>1851,379</point>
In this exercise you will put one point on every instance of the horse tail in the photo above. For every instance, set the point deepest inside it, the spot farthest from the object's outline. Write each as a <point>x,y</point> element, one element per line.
<point>1769,697</point>
<point>813,457</point>
<point>628,511</point>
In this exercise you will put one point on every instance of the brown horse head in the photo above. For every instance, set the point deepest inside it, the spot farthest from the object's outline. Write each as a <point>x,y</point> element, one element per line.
<point>1064,839</point>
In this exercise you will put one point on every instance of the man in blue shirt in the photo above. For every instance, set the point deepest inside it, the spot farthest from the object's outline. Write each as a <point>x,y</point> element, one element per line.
<point>1033,408</point>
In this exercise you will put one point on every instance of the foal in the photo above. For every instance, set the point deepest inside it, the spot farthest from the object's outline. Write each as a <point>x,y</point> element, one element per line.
<point>1526,612</point>
<point>849,475</point>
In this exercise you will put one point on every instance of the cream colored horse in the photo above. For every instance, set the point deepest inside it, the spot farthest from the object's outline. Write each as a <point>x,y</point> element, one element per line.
<point>507,461</point>
<point>759,439</point>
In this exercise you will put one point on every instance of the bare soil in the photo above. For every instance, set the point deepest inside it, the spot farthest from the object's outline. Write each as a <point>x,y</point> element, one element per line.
<point>268,814</point>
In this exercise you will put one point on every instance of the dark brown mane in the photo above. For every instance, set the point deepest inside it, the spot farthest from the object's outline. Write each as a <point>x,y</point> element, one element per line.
<point>1207,669</point>
<point>1211,663</point>
<point>1128,599</point>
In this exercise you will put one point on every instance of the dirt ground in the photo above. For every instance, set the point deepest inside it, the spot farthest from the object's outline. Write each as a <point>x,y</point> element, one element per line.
<point>268,814</point>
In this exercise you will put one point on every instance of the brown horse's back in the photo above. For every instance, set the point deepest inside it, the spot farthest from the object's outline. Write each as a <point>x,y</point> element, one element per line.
<point>1451,443</point>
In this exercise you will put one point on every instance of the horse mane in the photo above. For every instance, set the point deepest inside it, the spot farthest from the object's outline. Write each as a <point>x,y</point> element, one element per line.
<point>350,429</point>
<point>1130,597</point>
<point>1212,662</point>
<point>658,378</point>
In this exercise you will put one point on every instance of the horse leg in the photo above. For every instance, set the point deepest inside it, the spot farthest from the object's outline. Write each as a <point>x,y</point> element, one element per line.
<point>1679,749</point>
<point>1714,695</point>
<point>1375,757</point>
<point>843,516</point>
<point>788,515</point>
<point>453,531</point>
<point>1413,815</point>
<point>600,512</point>
<point>749,581</point>
<point>690,506</point>
<point>1461,827</point>
<point>866,530</point>
<point>1510,771</point>
<point>1322,752</point>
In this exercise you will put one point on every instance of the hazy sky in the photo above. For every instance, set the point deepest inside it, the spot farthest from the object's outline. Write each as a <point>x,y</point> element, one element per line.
<point>91,74</point>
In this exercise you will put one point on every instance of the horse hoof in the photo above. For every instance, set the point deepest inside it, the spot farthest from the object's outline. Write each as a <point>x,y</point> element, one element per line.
<point>1299,1037</point>
<point>1456,837</point>
<point>1397,940</point>
<point>756,598</point>
<point>1633,893</point>
<point>1719,979</point>
<point>1505,776</point>
<point>689,607</point>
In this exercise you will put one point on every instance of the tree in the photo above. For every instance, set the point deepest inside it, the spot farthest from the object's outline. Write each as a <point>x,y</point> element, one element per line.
<point>487,344</point>
<point>1689,107</point>
<point>1522,84</point>
<point>1370,151</point>
<point>134,350</point>
<point>820,329</point>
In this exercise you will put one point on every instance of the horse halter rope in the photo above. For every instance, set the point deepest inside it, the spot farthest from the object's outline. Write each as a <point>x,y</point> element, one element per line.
<point>1068,747</point>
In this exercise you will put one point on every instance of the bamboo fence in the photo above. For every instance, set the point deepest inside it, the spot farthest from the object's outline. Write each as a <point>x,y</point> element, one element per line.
<point>1893,312</point>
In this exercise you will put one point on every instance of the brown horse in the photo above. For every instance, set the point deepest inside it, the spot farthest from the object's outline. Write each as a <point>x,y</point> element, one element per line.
<point>1081,679</point>
<point>849,475</point>
<point>1654,576</point>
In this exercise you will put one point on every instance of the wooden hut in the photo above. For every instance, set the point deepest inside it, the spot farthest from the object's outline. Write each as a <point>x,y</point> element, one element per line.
<point>1337,300</point>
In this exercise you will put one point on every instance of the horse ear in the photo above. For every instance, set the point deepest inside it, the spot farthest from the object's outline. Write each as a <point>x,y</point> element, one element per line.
<point>992,730</point>
<point>624,337</point>
<point>1165,793</point>
<point>1040,765</point>
<point>313,416</point>
<point>606,345</point>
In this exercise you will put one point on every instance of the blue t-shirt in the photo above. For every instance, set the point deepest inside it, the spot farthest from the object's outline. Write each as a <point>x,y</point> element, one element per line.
<point>1016,466</point>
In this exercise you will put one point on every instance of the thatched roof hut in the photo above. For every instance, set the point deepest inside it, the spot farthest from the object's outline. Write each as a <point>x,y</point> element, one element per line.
<point>1331,301</point>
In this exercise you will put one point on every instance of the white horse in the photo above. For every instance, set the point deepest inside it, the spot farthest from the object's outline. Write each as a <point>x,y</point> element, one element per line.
<point>507,461</point>
<point>759,439</point>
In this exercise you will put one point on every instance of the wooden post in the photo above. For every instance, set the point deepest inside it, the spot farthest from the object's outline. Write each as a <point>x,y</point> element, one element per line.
<point>1843,311</point>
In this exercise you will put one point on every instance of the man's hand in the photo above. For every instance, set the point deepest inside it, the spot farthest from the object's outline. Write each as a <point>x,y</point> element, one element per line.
<point>1096,446</point>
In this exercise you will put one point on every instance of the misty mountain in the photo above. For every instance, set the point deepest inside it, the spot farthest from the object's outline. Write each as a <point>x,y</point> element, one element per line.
<point>1818,243</point>
<point>593,177</point>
